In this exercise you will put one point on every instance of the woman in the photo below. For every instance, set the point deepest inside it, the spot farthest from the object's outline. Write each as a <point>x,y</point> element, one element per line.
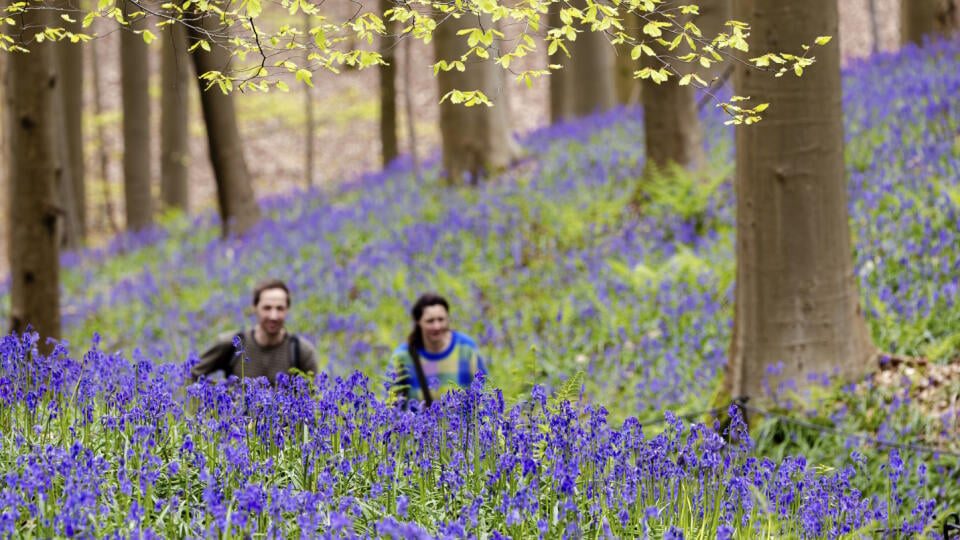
<point>433,351</point>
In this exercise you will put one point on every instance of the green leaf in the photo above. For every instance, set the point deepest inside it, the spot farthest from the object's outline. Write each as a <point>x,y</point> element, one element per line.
<point>148,37</point>
<point>822,40</point>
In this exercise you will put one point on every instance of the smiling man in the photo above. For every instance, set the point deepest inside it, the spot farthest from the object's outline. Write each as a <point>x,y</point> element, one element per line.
<point>268,347</point>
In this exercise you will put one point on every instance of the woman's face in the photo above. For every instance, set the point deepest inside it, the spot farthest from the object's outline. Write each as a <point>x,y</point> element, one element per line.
<point>434,325</point>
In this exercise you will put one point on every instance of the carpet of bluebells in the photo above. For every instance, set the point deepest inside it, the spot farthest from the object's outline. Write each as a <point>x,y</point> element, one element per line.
<point>601,310</point>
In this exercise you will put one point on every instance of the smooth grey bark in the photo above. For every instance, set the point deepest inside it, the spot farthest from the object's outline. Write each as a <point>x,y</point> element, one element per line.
<point>32,88</point>
<point>560,79</point>
<point>135,89</point>
<point>627,86</point>
<point>309,123</point>
<point>796,298</point>
<point>103,160</point>
<point>672,131</point>
<point>591,71</point>
<point>476,140</point>
<point>239,210</point>
<point>70,65</point>
<point>389,147</point>
<point>175,118</point>
<point>919,18</point>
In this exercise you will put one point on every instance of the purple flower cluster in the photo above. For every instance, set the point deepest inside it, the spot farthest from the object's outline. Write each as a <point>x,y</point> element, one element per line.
<point>105,446</point>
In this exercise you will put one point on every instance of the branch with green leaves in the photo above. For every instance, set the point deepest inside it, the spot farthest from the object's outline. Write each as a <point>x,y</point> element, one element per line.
<point>267,48</point>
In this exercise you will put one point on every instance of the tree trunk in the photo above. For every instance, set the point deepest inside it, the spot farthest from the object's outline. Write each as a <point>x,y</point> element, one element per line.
<point>592,71</point>
<point>103,160</point>
<point>309,122</point>
<point>919,18</point>
<point>135,85</point>
<point>175,120</point>
<point>32,90</point>
<point>711,21</point>
<point>672,132</point>
<point>627,86</point>
<point>239,211</point>
<point>796,296</point>
<point>388,88</point>
<point>70,63</point>
<point>476,140</point>
<point>561,103</point>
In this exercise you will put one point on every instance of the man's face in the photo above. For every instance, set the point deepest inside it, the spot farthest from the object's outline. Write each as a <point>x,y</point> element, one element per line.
<point>434,325</point>
<point>272,311</point>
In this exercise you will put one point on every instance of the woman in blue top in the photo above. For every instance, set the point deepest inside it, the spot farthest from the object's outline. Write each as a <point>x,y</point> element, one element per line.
<point>434,351</point>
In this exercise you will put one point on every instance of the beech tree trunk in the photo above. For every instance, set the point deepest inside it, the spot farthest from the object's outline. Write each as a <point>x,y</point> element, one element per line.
<point>796,294</point>
<point>672,132</point>
<point>32,88</point>
<point>592,71</point>
<point>712,19</point>
<point>70,64</point>
<point>239,211</point>
<point>388,89</point>
<point>476,140</point>
<point>627,86</point>
<point>175,120</point>
<point>135,86</point>
<point>919,18</point>
<point>561,79</point>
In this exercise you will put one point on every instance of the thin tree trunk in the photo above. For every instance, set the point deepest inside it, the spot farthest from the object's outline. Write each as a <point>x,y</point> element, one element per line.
<point>561,91</point>
<point>476,140</point>
<point>874,29</point>
<point>175,120</point>
<point>628,87</point>
<point>310,121</point>
<point>712,19</point>
<point>672,132</point>
<point>388,89</point>
<point>408,105</point>
<point>70,63</point>
<point>919,18</point>
<point>34,168</point>
<point>796,296</point>
<point>239,211</point>
<point>103,160</point>
<point>591,58</point>
<point>135,85</point>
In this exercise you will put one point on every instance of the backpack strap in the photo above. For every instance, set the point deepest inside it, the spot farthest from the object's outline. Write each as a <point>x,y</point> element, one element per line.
<point>294,352</point>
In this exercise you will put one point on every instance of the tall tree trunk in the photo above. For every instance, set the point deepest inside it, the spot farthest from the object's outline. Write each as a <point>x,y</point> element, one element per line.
<point>561,80</point>
<point>476,140</point>
<point>34,212</point>
<point>712,19</point>
<point>70,63</point>
<point>919,18</point>
<point>672,131</point>
<point>175,120</point>
<point>309,122</point>
<point>103,160</point>
<point>592,60</point>
<point>388,89</point>
<point>239,211</point>
<point>135,86</point>
<point>408,106</point>
<point>627,86</point>
<point>796,296</point>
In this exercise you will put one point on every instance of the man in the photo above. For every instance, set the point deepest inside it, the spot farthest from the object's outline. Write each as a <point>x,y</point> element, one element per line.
<point>268,348</point>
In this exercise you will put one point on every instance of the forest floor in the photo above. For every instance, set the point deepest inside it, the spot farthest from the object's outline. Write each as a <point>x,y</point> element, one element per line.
<point>346,107</point>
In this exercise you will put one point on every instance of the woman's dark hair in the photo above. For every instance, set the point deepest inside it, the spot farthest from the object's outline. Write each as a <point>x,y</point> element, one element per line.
<point>415,339</point>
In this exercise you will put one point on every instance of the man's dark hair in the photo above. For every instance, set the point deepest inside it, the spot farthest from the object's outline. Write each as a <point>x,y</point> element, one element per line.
<point>270,284</point>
